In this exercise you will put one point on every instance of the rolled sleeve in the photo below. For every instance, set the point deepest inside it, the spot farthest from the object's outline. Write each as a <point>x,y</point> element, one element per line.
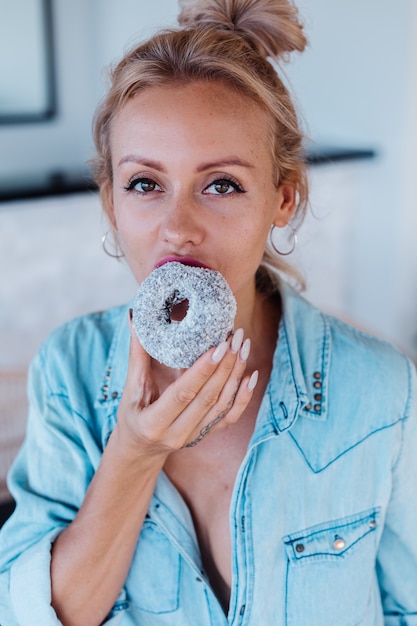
<point>48,481</point>
<point>30,590</point>
<point>30,585</point>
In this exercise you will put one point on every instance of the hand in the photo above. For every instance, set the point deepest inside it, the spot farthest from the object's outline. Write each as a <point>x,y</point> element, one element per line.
<point>211,393</point>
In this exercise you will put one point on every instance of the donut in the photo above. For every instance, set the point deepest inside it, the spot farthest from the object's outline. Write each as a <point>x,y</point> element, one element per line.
<point>208,321</point>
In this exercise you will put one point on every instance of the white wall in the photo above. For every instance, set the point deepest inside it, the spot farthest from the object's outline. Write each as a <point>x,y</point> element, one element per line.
<point>89,35</point>
<point>357,87</point>
<point>407,276</point>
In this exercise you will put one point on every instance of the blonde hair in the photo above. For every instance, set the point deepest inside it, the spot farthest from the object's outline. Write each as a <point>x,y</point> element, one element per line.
<point>219,40</point>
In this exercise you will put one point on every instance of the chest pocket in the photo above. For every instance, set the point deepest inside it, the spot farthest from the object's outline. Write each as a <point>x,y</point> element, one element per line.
<point>331,571</point>
<point>153,582</point>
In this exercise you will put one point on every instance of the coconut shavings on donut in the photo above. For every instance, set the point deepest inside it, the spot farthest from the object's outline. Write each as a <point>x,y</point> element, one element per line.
<point>208,321</point>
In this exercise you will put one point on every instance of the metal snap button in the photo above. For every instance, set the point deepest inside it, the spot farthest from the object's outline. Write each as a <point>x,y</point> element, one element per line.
<point>317,375</point>
<point>372,523</point>
<point>339,543</point>
<point>299,548</point>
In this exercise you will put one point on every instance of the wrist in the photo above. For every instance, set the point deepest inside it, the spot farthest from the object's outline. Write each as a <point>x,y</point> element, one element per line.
<point>135,453</point>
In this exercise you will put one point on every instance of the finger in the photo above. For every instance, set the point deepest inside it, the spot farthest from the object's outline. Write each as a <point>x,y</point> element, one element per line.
<point>232,413</point>
<point>232,383</point>
<point>181,393</point>
<point>217,397</point>
<point>203,396</point>
<point>140,383</point>
<point>178,397</point>
<point>242,398</point>
<point>222,386</point>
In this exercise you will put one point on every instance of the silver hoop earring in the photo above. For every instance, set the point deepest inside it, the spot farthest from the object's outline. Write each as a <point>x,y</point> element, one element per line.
<point>292,240</point>
<point>106,250</point>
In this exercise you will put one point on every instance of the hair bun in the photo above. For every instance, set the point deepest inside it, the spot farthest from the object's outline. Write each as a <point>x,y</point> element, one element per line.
<point>272,27</point>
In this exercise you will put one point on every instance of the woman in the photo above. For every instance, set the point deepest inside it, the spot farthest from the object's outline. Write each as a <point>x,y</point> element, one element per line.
<point>298,506</point>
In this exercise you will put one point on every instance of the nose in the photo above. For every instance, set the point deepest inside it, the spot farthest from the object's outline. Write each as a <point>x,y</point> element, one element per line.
<point>182,225</point>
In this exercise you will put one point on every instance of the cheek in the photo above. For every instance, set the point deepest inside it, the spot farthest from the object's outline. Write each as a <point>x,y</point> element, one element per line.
<point>244,254</point>
<point>129,223</point>
<point>132,240</point>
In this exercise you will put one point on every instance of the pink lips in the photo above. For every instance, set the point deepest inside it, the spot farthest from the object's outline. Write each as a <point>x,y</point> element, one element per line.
<point>184,260</point>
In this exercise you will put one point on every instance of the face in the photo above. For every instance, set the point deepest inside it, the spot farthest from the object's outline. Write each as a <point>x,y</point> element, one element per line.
<point>193,180</point>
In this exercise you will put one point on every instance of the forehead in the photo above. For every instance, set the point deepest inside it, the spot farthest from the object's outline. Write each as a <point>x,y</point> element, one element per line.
<point>201,110</point>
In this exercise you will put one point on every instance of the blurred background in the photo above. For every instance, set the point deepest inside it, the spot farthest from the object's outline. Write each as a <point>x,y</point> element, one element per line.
<point>356,89</point>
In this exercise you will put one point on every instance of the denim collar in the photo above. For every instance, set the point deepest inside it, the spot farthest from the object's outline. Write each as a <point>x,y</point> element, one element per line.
<point>114,376</point>
<point>298,381</point>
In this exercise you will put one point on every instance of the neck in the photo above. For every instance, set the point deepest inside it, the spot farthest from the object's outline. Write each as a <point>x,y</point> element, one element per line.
<point>259,315</point>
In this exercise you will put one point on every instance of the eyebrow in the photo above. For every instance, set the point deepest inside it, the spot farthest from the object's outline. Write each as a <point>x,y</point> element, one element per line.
<point>157,165</point>
<point>133,158</point>
<point>222,162</point>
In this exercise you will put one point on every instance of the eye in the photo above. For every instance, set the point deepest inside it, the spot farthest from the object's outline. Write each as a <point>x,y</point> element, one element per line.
<point>143,185</point>
<point>223,186</point>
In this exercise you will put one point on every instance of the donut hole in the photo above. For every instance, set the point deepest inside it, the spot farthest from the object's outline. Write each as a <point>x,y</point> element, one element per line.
<point>176,308</point>
<point>179,311</point>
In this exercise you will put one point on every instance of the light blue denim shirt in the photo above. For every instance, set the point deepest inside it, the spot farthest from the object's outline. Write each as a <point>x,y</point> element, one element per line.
<point>323,517</point>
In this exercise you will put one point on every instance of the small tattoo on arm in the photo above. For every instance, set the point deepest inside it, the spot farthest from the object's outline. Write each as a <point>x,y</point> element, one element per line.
<point>211,425</point>
<point>206,430</point>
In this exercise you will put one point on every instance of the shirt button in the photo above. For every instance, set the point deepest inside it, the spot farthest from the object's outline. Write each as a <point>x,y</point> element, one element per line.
<point>317,407</point>
<point>339,543</point>
<point>318,397</point>
<point>299,548</point>
<point>317,375</point>
<point>372,523</point>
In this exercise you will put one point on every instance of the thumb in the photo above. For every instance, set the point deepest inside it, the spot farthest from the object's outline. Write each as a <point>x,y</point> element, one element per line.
<point>140,380</point>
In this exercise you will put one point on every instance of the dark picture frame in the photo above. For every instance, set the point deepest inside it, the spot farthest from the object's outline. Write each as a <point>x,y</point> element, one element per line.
<point>27,72</point>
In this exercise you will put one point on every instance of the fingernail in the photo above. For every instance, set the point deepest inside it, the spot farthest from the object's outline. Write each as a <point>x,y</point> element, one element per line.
<point>253,380</point>
<point>237,340</point>
<point>244,353</point>
<point>219,352</point>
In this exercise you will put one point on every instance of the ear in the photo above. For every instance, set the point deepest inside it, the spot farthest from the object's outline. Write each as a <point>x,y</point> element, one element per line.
<point>285,205</point>
<point>106,195</point>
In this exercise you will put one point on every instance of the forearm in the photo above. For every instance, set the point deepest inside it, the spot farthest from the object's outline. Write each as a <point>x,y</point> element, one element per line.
<point>91,558</point>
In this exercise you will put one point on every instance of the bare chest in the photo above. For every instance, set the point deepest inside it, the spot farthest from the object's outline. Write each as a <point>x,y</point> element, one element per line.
<point>206,478</point>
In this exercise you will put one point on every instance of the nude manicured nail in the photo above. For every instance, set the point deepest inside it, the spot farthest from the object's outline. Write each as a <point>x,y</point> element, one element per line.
<point>237,340</point>
<point>253,380</point>
<point>219,352</point>
<point>244,353</point>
